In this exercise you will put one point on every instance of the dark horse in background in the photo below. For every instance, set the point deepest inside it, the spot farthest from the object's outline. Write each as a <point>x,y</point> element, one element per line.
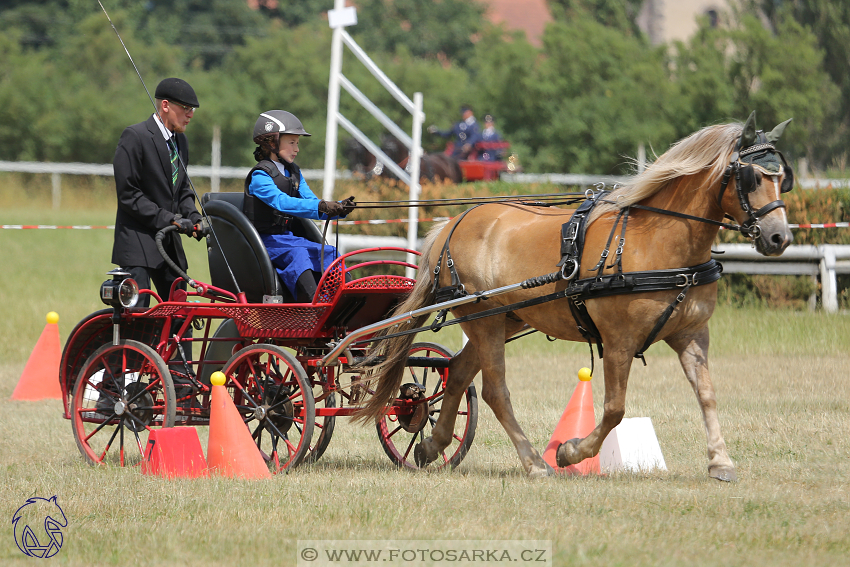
<point>432,167</point>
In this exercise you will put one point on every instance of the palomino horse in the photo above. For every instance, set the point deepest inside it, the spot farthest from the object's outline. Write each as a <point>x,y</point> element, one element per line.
<point>501,244</point>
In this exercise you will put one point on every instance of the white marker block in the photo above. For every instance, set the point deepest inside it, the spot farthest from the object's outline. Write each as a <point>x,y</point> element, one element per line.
<point>632,446</point>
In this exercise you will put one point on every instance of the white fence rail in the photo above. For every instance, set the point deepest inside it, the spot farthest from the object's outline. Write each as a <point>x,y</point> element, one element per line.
<point>822,263</point>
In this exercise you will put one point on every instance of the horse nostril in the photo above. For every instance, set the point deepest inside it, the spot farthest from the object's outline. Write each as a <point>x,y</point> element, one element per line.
<point>780,240</point>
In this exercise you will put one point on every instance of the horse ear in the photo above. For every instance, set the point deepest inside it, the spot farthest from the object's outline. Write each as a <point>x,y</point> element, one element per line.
<point>774,134</point>
<point>748,135</point>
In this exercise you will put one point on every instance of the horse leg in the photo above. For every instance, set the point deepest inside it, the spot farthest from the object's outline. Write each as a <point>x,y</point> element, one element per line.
<point>693,355</point>
<point>617,365</point>
<point>462,369</point>
<point>490,343</point>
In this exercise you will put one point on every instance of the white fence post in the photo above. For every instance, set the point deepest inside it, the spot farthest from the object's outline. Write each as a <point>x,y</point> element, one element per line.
<point>415,162</point>
<point>337,22</point>
<point>215,179</point>
<point>56,181</point>
<point>828,282</point>
<point>641,158</point>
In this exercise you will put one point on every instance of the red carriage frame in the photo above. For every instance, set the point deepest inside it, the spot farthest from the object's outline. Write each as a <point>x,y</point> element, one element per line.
<point>125,371</point>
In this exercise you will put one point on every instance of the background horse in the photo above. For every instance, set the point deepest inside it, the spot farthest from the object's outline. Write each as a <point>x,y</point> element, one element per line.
<point>501,244</point>
<point>361,162</point>
<point>432,167</point>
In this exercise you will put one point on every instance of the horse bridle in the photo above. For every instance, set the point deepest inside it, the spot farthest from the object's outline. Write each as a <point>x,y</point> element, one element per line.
<point>745,183</point>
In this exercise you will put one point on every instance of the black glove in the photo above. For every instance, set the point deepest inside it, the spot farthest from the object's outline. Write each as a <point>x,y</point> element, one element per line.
<point>348,205</point>
<point>201,229</point>
<point>331,208</point>
<point>184,226</point>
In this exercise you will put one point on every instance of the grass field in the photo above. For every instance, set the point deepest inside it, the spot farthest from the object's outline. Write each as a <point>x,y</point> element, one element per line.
<point>783,389</point>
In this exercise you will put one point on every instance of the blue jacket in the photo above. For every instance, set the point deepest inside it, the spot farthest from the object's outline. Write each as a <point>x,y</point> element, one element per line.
<point>307,206</point>
<point>463,134</point>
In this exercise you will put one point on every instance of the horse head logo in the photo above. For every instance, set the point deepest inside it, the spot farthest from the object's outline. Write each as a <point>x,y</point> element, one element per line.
<point>35,512</point>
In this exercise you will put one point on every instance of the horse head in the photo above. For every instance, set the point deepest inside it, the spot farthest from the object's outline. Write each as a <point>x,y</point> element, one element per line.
<point>359,159</point>
<point>759,174</point>
<point>393,147</point>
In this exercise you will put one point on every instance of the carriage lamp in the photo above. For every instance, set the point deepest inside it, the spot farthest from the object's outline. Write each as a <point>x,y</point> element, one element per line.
<point>120,291</point>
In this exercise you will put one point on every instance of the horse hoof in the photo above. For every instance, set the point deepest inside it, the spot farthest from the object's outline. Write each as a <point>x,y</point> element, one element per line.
<point>566,454</point>
<point>538,472</point>
<point>726,474</point>
<point>419,456</point>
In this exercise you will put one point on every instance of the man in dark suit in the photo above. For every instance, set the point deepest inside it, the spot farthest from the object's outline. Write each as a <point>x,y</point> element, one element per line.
<point>153,190</point>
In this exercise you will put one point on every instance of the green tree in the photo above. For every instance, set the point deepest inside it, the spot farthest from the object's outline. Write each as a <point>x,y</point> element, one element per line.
<point>618,14</point>
<point>441,29</point>
<point>594,95</point>
<point>829,21</point>
<point>727,72</point>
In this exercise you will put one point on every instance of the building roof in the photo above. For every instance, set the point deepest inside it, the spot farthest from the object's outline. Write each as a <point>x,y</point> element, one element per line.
<point>530,16</point>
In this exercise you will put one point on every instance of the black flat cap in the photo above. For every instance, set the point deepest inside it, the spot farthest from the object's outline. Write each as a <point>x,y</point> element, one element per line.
<point>177,90</point>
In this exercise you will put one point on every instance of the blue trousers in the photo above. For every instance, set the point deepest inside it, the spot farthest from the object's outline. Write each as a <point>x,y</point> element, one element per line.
<point>293,255</point>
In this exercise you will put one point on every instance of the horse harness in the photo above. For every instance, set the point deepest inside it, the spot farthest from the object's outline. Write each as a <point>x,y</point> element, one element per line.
<point>602,285</point>
<point>762,156</point>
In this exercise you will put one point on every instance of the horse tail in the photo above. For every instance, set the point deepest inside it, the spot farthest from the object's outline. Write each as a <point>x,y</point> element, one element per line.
<point>388,374</point>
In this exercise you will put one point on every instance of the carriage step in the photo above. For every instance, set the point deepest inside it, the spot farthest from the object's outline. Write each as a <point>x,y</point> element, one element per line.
<point>415,361</point>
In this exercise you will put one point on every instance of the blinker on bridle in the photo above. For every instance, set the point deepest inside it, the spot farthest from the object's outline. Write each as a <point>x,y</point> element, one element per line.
<point>744,164</point>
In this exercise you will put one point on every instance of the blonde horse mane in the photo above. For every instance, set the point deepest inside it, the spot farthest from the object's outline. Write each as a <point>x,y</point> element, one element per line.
<point>707,149</point>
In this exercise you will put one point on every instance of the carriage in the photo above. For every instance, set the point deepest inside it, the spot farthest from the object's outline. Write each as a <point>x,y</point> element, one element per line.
<point>476,168</point>
<point>126,370</point>
<point>293,368</point>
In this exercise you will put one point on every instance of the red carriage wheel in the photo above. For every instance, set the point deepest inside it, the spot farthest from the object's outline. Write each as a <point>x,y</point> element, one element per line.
<point>399,434</point>
<point>324,397</point>
<point>275,398</point>
<point>122,392</point>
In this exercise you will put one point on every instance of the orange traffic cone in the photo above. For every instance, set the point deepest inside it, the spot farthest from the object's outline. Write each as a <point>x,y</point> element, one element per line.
<point>40,379</point>
<point>231,451</point>
<point>577,421</point>
<point>174,452</point>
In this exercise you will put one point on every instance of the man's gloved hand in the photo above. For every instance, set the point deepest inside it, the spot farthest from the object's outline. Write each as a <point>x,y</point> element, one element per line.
<point>432,129</point>
<point>184,226</point>
<point>201,229</point>
<point>348,205</point>
<point>331,208</point>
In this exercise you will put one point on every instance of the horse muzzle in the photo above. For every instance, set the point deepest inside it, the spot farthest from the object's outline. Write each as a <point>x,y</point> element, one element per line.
<point>772,236</point>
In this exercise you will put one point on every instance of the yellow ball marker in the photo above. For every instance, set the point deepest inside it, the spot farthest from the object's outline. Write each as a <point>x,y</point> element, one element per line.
<point>584,375</point>
<point>218,379</point>
<point>53,317</point>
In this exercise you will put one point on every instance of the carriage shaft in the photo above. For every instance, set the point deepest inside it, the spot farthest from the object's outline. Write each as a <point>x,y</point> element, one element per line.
<point>343,344</point>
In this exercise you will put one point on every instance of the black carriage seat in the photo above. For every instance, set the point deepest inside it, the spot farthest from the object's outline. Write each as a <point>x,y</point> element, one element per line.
<point>257,277</point>
<point>244,249</point>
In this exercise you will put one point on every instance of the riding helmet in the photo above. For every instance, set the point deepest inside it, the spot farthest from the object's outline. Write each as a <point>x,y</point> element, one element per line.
<point>278,121</point>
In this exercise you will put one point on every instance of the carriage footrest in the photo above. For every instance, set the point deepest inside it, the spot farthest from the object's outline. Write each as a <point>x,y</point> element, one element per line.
<point>415,361</point>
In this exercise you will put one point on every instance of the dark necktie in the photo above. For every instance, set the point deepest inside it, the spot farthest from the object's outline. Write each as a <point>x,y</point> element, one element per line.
<point>172,147</point>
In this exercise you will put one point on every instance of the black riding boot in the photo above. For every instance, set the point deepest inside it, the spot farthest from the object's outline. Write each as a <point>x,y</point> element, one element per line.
<point>305,287</point>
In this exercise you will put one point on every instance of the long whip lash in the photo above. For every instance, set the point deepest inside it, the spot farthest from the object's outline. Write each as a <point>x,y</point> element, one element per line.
<point>173,147</point>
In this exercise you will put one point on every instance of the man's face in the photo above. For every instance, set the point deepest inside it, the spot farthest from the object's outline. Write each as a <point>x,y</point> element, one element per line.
<point>176,116</point>
<point>288,147</point>
<point>466,114</point>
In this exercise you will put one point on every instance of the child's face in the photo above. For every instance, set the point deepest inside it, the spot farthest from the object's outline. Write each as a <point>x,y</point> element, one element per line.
<point>288,147</point>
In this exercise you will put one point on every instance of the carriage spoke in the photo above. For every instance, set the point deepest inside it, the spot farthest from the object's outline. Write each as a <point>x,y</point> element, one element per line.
<point>108,444</point>
<point>121,441</point>
<point>99,427</point>
<point>139,443</point>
